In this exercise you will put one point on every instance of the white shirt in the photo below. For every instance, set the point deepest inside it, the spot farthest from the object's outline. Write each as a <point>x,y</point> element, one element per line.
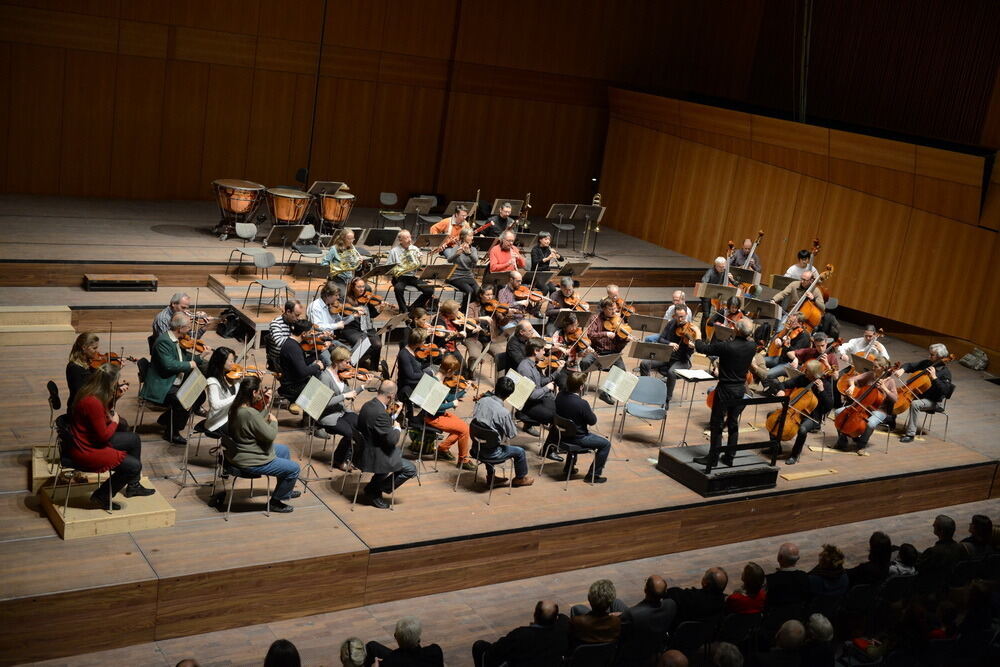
<point>319,314</point>
<point>218,400</point>
<point>668,314</point>
<point>855,345</point>
<point>796,271</point>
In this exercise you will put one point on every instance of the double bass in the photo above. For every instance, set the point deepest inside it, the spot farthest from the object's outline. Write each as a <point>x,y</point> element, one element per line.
<point>809,312</point>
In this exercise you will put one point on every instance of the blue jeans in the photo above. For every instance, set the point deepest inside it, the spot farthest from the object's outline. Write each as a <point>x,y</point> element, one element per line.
<point>593,441</point>
<point>778,371</point>
<point>504,452</point>
<point>281,467</point>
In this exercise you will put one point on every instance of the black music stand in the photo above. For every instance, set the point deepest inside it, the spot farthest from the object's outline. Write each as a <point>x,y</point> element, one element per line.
<point>524,239</point>
<point>376,272</point>
<point>575,269</point>
<point>761,310</point>
<point>483,243</point>
<point>500,278</point>
<point>449,210</point>
<point>381,238</point>
<point>748,276</point>
<point>781,282</point>
<point>590,215</point>
<point>557,216</point>
<point>310,270</point>
<point>582,317</point>
<point>646,323</point>
<point>430,241</point>
<point>515,206</point>
<point>283,235</point>
<point>722,333</point>
<point>600,365</point>
<point>326,187</point>
<point>652,352</point>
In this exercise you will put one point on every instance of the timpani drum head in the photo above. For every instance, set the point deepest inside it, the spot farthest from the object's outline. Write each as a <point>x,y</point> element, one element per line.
<point>236,196</point>
<point>287,205</point>
<point>337,207</point>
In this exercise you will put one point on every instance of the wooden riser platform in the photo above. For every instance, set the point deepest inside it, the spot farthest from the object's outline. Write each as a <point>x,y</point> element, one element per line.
<point>83,520</point>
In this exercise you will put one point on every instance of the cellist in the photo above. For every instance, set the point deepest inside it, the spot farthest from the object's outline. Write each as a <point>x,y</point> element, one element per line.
<point>813,372</point>
<point>793,336</point>
<point>818,350</point>
<point>793,292</point>
<point>941,386</point>
<point>865,344</point>
<point>877,415</point>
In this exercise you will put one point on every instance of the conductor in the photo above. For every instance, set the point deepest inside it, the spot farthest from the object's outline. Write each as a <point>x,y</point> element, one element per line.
<point>734,357</point>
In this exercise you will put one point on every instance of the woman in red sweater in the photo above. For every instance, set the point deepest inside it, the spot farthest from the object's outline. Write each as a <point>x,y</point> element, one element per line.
<point>96,445</point>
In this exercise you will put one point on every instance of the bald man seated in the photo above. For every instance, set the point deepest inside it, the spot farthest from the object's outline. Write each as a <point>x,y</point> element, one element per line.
<point>543,642</point>
<point>706,603</point>
<point>646,624</point>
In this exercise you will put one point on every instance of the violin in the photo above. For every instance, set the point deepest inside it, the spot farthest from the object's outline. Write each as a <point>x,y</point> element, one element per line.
<point>576,303</point>
<point>494,306</point>
<point>264,402</point>
<point>314,341</point>
<point>456,382</point>
<point>112,358</point>
<point>189,343</point>
<point>371,298</point>
<point>467,324</point>
<point>237,372</point>
<point>351,373</point>
<point>916,385</point>
<point>617,325</point>
<point>577,338</point>
<point>346,309</point>
<point>549,361</point>
<point>853,420</point>
<point>441,331</point>
<point>428,351</point>
<point>687,333</point>
<point>525,292</point>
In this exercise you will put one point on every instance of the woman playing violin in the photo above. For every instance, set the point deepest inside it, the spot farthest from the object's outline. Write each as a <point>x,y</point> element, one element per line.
<point>411,364</point>
<point>338,417</point>
<point>84,358</point>
<point>446,420</point>
<point>363,324</point>
<point>450,328</point>
<point>221,385</point>
<point>679,335</point>
<point>856,385</point>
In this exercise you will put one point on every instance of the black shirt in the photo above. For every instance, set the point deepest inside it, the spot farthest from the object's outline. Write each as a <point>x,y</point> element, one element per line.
<point>76,376</point>
<point>515,350</point>
<point>939,386</point>
<point>825,397</point>
<point>713,277</point>
<point>574,408</point>
<point>669,335</point>
<point>735,356</point>
<point>295,370</point>
<point>499,225</point>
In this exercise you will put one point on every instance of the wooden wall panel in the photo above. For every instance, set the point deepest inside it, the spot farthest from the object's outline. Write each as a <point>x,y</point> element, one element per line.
<point>341,141</point>
<point>5,103</point>
<point>227,124</point>
<point>270,150</point>
<point>809,203</point>
<point>699,200</point>
<point>420,28</point>
<point>212,46</point>
<point>763,198</point>
<point>875,180</point>
<point>135,152</point>
<point>88,123</point>
<point>929,237</point>
<point>137,38</point>
<point>36,110</point>
<point>184,102</point>
<point>301,21</point>
<point>355,23</point>
<point>230,15</point>
<point>862,236</point>
<point>58,29</point>
<point>947,198</point>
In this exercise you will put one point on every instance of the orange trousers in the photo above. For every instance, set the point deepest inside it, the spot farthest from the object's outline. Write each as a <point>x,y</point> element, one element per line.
<point>457,430</point>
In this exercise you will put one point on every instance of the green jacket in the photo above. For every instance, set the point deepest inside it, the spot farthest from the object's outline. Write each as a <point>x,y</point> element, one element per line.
<point>164,367</point>
<point>249,438</point>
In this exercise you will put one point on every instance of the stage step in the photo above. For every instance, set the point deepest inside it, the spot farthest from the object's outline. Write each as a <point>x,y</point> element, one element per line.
<point>83,520</point>
<point>45,334</point>
<point>43,469</point>
<point>227,286</point>
<point>14,316</point>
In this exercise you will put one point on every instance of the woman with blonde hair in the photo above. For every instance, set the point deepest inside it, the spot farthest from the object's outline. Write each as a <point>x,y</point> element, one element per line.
<point>829,577</point>
<point>86,348</point>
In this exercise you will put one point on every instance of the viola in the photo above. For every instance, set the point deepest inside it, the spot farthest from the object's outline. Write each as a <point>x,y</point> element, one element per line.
<point>456,382</point>
<point>687,333</point>
<point>264,402</point>
<point>549,361</point>
<point>371,298</point>
<point>577,339</point>
<point>237,372</point>
<point>916,385</point>
<point>350,373</point>
<point>525,292</point>
<point>428,351</point>
<point>189,343</point>
<point>344,309</point>
<point>576,303</point>
<point>617,325</point>
<point>113,358</point>
<point>494,306</point>
<point>314,341</point>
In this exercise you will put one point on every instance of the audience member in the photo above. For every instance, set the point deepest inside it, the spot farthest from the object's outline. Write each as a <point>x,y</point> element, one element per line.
<point>352,653</point>
<point>601,624</point>
<point>876,568</point>
<point>828,577</point>
<point>818,650</point>
<point>645,625</point>
<point>725,654</point>
<point>905,562</point>
<point>788,585</point>
<point>282,654</point>
<point>672,658</point>
<point>787,648</point>
<point>946,552</point>
<point>409,652</point>
<point>750,598</point>
<point>706,603</point>
<point>542,643</point>
<point>979,544</point>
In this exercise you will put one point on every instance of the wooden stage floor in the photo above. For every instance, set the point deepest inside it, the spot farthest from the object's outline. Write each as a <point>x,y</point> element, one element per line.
<point>202,574</point>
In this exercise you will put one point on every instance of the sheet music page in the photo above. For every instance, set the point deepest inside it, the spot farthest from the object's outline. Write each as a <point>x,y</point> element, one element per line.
<point>523,387</point>
<point>314,398</point>
<point>619,384</point>
<point>429,394</point>
<point>192,388</point>
<point>694,374</point>
<point>359,350</point>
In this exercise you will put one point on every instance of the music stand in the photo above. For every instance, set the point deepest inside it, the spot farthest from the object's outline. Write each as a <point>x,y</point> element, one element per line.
<point>430,241</point>
<point>781,282</point>
<point>691,376</point>
<point>309,270</point>
<point>742,276</point>
<point>483,243</point>
<point>493,278</point>
<point>590,214</point>
<point>763,310</point>
<point>377,271</point>
<point>326,187</point>
<point>601,364</point>
<point>719,292</point>
<point>418,205</point>
<point>283,235</point>
<point>652,352</point>
<point>646,323</point>
<point>574,268</point>
<point>557,216</point>
<point>437,272</point>
<point>721,334</point>
<point>515,206</point>
<point>539,278</point>
<point>524,239</point>
<point>449,210</point>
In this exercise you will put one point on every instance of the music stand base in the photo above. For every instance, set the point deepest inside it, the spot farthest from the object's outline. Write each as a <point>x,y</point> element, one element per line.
<point>750,472</point>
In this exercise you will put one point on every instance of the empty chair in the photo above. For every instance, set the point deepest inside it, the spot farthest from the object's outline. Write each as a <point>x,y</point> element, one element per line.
<point>388,200</point>
<point>647,401</point>
<point>690,635</point>
<point>307,245</point>
<point>248,232</point>
<point>265,262</point>
<point>427,219</point>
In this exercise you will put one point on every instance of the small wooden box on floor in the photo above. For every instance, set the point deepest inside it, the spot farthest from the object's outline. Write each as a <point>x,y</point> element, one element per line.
<point>749,473</point>
<point>83,520</point>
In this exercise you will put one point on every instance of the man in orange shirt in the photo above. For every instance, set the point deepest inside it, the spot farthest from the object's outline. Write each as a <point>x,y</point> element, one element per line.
<point>452,225</point>
<point>504,256</point>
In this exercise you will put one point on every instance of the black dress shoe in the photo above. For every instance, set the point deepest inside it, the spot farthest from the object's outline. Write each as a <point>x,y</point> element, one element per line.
<point>728,460</point>
<point>599,479</point>
<point>378,502</point>
<point>136,489</point>
<point>102,503</point>
<point>279,507</point>
<point>553,455</point>
<point>216,500</point>
<point>791,460</point>
<point>906,438</point>
<point>705,460</point>
<point>294,494</point>
<point>178,440</point>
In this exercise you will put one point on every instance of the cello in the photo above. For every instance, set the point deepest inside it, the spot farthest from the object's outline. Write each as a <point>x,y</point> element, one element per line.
<point>800,406</point>
<point>866,353</point>
<point>853,420</point>
<point>916,385</point>
<point>746,288</point>
<point>809,312</point>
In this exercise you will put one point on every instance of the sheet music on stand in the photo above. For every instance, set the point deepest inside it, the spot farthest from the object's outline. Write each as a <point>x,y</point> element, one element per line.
<point>314,398</point>
<point>359,350</point>
<point>758,309</point>
<point>781,282</point>
<point>574,268</point>
<point>523,386</point>
<point>430,241</point>
<point>582,317</point>
<point>560,212</point>
<point>646,323</point>
<point>392,323</point>
<point>694,374</point>
<point>619,384</point>
<point>191,389</point>
<point>379,270</point>
<point>745,275</point>
<point>418,205</point>
<point>709,291</point>
<point>429,394</point>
